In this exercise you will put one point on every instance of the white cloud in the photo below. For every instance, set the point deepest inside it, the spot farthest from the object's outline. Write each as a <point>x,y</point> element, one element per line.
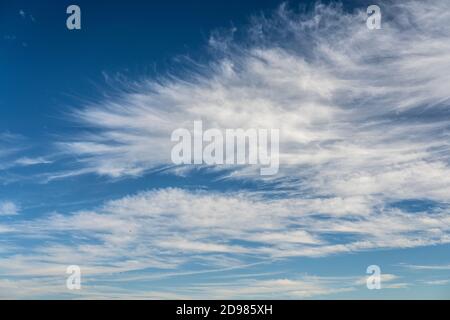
<point>273,288</point>
<point>429,267</point>
<point>302,288</point>
<point>169,227</point>
<point>8,208</point>
<point>239,286</point>
<point>361,112</point>
<point>26,161</point>
<point>364,121</point>
<point>17,151</point>
<point>441,282</point>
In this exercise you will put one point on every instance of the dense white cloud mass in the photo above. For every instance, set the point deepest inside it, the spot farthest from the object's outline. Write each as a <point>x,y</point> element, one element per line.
<point>170,225</point>
<point>167,229</point>
<point>8,208</point>
<point>364,120</point>
<point>361,112</point>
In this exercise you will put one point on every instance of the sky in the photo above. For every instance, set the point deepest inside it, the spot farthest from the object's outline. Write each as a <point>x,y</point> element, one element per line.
<point>86,177</point>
